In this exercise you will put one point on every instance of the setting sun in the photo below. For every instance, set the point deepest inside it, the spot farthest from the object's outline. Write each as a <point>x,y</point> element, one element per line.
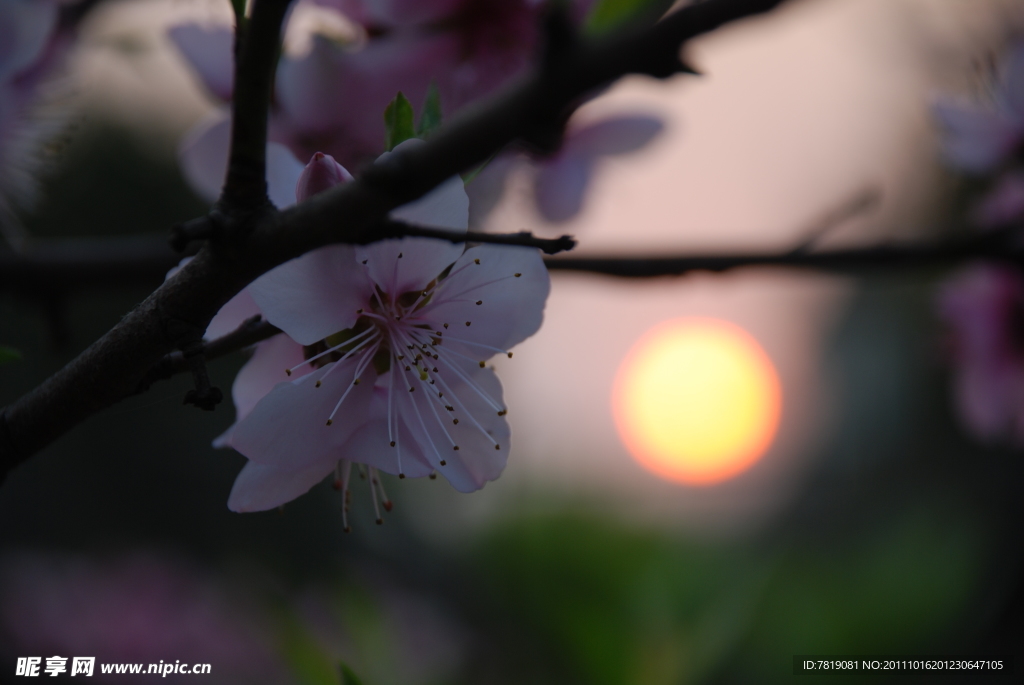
<point>697,400</point>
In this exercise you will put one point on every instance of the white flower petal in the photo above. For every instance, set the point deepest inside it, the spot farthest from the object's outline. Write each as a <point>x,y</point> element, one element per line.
<point>315,295</point>
<point>265,370</point>
<point>259,487</point>
<point>371,445</point>
<point>288,428</point>
<point>479,429</point>
<point>511,309</point>
<point>446,206</point>
<point>203,154</point>
<point>406,264</point>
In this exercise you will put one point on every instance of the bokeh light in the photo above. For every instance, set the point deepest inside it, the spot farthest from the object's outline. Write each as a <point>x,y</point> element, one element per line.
<point>697,400</point>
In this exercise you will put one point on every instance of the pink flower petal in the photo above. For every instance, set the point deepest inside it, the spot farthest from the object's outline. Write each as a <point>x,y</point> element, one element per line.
<point>209,51</point>
<point>512,307</point>
<point>976,140</point>
<point>981,305</point>
<point>1004,204</point>
<point>614,136</point>
<point>409,12</point>
<point>349,114</point>
<point>560,185</point>
<point>232,315</point>
<point>478,431</point>
<point>25,29</point>
<point>446,206</point>
<point>981,406</point>
<point>321,173</point>
<point>288,427</point>
<point>405,265</point>
<point>1013,82</point>
<point>371,445</point>
<point>300,90</point>
<point>259,487</point>
<point>260,374</point>
<point>315,295</point>
<point>283,172</point>
<point>422,260</point>
<point>265,370</point>
<point>203,155</point>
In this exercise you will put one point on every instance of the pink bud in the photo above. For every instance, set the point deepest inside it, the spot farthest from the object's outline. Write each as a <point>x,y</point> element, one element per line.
<point>321,173</point>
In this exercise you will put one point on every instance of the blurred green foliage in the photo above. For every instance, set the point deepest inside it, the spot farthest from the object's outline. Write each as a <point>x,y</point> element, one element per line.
<point>608,15</point>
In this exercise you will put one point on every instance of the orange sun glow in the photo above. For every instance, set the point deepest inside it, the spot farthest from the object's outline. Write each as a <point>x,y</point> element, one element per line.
<point>697,401</point>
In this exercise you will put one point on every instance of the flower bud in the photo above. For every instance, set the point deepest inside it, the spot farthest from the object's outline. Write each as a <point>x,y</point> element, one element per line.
<point>321,173</point>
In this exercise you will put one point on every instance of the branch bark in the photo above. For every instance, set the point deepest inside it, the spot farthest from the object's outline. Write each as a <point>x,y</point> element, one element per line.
<point>177,313</point>
<point>833,261</point>
<point>256,51</point>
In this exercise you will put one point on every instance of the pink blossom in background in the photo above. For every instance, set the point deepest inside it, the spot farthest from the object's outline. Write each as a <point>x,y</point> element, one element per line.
<point>983,307</point>
<point>1004,203</point>
<point>979,138</point>
<point>30,48</point>
<point>332,98</point>
<point>138,609</point>
<point>983,140</point>
<point>209,51</point>
<point>203,156</point>
<point>395,336</point>
<point>560,181</point>
<point>423,644</point>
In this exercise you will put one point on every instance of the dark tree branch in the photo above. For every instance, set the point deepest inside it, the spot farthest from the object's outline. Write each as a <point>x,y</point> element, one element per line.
<point>399,229</point>
<point>990,247</point>
<point>56,267</point>
<point>250,332</point>
<point>256,50</point>
<point>177,313</point>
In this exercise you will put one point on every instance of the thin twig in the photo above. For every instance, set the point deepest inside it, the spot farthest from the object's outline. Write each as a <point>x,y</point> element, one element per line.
<point>834,261</point>
<point>250,332</point>
<point>399,229</point>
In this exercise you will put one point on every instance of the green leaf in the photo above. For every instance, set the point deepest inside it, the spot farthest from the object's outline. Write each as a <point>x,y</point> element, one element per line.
<point>608,15</point>
<point>348,676</point>
<point>430,116</point>
<point>8,354</point>
<point>398,120</point>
